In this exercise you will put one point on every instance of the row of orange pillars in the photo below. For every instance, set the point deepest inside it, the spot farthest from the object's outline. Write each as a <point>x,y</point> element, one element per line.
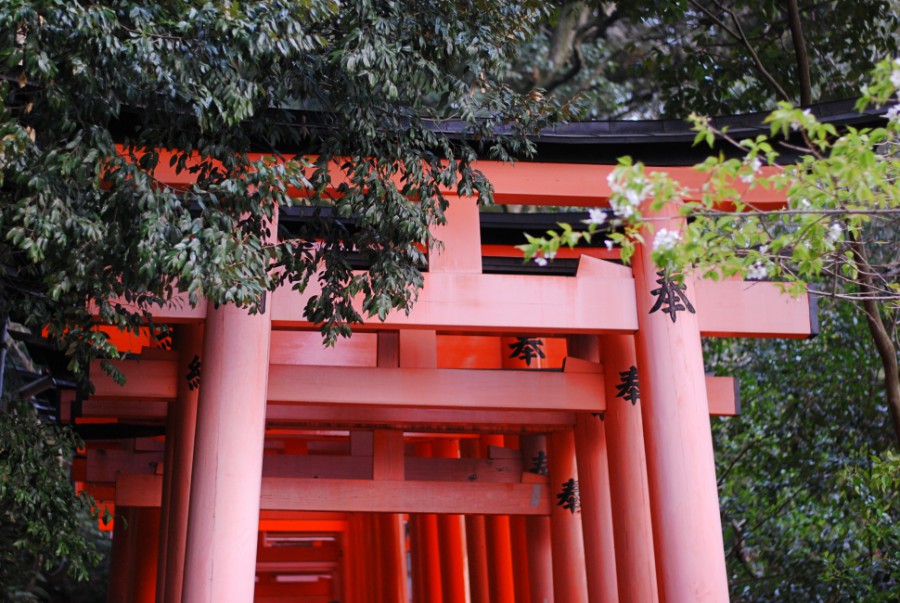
<point>314,557</point>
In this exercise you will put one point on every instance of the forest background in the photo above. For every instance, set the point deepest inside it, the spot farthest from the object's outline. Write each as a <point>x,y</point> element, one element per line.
<point>809,475</point>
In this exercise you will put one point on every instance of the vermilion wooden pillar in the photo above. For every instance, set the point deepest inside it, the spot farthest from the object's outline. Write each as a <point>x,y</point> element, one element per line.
<point>393,561</point>
<point>496,529</point>
<point>360,558</point>
<point>181,423</point>
<point>388,464</point>
<point>635,562</point>
<point>123,529</point>
<point>165,507</point>
<point>596,511</point>
<point>452,538</point>
<point>537,528</point>
<point>143,555</point>
<point>519,545</point>
<point>567,544</point>
<point>418,349</point>
<point>228,452</point>
<point>476,553</point>
<point>476,543</point>
<point>427,556</point>
<point>593,471</point>
<point>680,463</point>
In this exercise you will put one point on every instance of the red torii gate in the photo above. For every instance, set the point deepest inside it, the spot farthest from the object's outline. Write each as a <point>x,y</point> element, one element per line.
<point>290,472</point>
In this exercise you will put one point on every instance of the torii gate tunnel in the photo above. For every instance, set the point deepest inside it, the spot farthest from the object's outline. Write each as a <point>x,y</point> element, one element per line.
<point>516,437</point>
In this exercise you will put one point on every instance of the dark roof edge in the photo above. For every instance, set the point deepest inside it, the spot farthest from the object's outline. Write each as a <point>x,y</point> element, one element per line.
<point>668,141</point>
<point>840,112</point>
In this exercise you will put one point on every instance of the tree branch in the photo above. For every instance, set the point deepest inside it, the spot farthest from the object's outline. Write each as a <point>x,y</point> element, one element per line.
<point>801,52</point>
<point>883,341</point>
<point>738,34</point>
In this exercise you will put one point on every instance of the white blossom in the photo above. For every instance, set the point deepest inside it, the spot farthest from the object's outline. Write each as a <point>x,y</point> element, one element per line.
<point>625,203</point>
<point>666,239</point>
<point>623,210</point>
<point>893,114</point>
<point>613,181</point>
<point>633,197</point>
<point>757,271</point>
<point>834,232</point>
<point>895,74</point>
<point>540,261</point>
<point>755,164</point>
<point>596,216</point>
<point>609,244</point>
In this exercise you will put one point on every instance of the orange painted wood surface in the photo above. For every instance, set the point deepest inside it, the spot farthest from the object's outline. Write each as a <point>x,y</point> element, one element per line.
<point>629,489</point>
<point>228,452</point>
<point>537,532</point>
<point>566,540</point>
<point>515,304</point>
<point>153,378</point>
<point>499,555</point>
<point>476,555</point>
<point>410,419</point>
<point>735,308</point>
<point>452,537</point>
<point>460,238</point>
<point>299,494</point>
<point>498,303</point>
<point>442,388</point>
<point>405,497</point>
<point>596,511</point>
<point>526,182</point>
<point>387,455</point>
<point>724,396</point>
<point>680,461</point>
<point>519,548</point>
<point>128,402</point>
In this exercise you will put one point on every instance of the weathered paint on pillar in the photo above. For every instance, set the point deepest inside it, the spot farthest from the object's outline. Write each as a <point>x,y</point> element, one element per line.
<point>500,568</point>
<point>452,538</point>
<point>566,542</point>
<point>680,463</point>
<point>596,511</point>
<point>393,571</point>
<point>593,472</point>
<point>499,551</point>
<point>537,528</point>
<point>393,560</point>
<point>358,559</point>
<point>123,529</point>
<point>143,555</point>
<point>476,553</point>
<point>432,554</point>
<point>181,424</point>
<point>427,559</point>
<point>519,544</point>
<point>635,562</point>
<point>165,509</point>
<point>476,542</point>
<point>228,453</point>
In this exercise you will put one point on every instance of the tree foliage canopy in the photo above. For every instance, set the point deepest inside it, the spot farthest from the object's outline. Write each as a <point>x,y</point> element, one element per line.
<point>670,58</point>
<point>97,94</point>
<point>93,91</point>
<point>839,224</point>
<point>808,483</point>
